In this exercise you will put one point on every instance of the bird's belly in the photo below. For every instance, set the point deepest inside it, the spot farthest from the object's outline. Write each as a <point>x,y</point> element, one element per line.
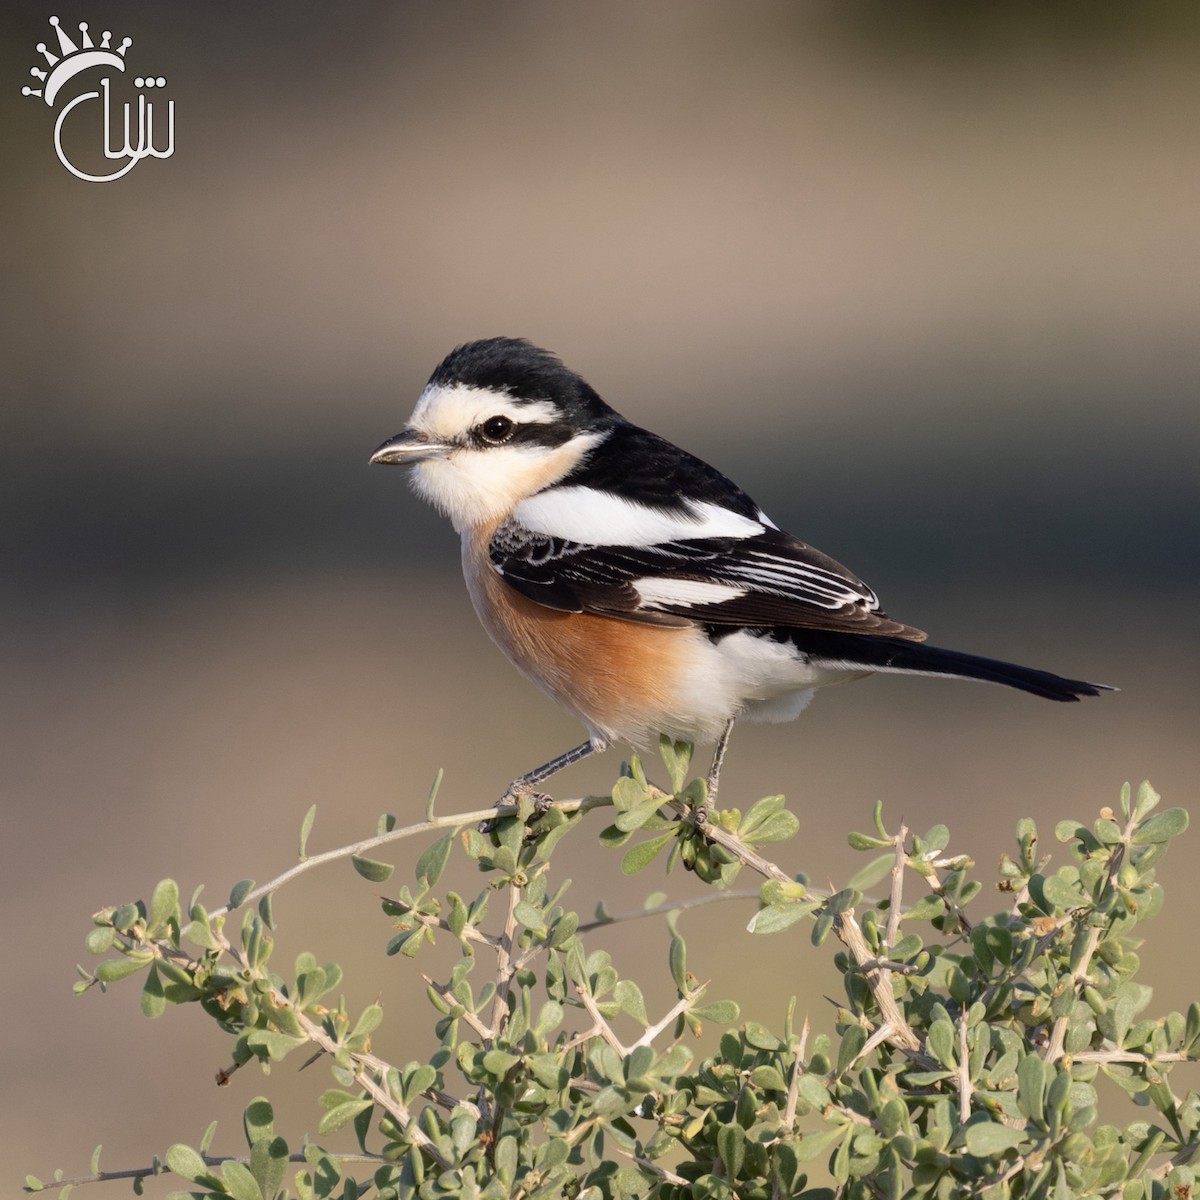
<point>625,680</point>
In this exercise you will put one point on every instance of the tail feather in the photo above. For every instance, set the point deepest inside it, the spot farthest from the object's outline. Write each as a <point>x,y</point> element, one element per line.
<point>916,658</point>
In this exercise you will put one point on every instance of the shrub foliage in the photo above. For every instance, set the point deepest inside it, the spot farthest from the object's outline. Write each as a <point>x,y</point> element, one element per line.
<point>968,1058</point>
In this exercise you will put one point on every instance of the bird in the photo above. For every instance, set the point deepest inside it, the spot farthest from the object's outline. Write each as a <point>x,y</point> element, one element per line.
<point>636,585</point>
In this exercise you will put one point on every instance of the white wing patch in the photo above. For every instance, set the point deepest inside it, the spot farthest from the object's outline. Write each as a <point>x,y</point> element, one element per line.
<point>594,518</point>
<point>683,593</point>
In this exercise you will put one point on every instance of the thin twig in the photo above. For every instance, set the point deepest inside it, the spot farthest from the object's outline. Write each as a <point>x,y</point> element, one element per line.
<point>601,1023</point>
<point>366,1066</point>
<point>663,1174</point>
<point>879,981</point>
<point>1058,1034</point>
<point>210,1160</point>
<point>669,906</point>
<point>467,1015</point>
<point>897,892</point>
<point>469,932</point>
<point>1132,1056</point>
<point>789,1116</point>
<point>681,1007</point>
<point>844,925</point>
<point>454,821</point>
<point>881,1035</point>
<point>504,964</point>
<point>964,1071</point>
<point>376,1089</point>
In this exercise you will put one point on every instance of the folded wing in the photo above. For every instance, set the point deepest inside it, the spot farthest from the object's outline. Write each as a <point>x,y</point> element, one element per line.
<point>694,563</point>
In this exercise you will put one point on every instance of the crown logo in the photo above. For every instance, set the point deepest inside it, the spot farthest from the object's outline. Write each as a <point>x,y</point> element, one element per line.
<point>73,58</point>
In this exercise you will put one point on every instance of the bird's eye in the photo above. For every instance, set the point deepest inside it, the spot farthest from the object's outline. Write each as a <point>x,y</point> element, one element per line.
<point>496,430</point>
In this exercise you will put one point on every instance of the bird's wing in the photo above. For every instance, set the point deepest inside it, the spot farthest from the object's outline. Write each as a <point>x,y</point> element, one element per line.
<point>580,550</point>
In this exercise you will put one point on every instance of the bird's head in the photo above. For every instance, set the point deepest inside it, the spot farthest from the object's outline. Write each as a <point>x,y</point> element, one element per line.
<point>498,421</point>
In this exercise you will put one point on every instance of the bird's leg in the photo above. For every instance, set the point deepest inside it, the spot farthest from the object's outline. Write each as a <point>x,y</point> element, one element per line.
<point>714,772</point>
<point>523,785</point>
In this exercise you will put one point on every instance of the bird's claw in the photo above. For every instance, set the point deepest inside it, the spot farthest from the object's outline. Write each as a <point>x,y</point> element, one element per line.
<point>518,789</point>
<point>513,795</point>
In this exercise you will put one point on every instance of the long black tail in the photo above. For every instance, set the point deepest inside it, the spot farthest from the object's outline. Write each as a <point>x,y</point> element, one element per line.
<point>916,658</point>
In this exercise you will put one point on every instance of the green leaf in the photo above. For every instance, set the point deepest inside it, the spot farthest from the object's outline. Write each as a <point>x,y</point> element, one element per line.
<point>778,828</point>
<point>936,840</point>
<point>1061,893</point>
<point>432,862</point>
<point>987,1138</point>
<point>277,1045</point>
<point>812,1144</point>
<point>853,1041</point>
<point>1147,798</point>
<point>239,892</point>
<point>642,854</point>
<point>371,869</point>
<point>433,791</point>
<point>940,1041</point>
<point>207,1139</point>
<point>305,829</point>
<point>499,1062</point>
<point>731,1146</point>
<point>676,756</point>
<point>864,841</point>
<point>530,916</point>
<point>1031,1086</point>
<point>760,811</point>
<point>199,931</point>
<point>258,1121</point>
<point>768,1077</point>
<point>872,873</point>
<point>371,1018</point>
<point>268,1164</point>
<point>186,1163</point>
<point>777,917</point>
<point>154,1002</point>
<point>629,996</point>
<point>100,939</point>
<point>119,968</point>
<point>506,1161</point>
<point>239,1183</point>
<point>1067,830</point>
<point>610,837</point>
<point>1161,827</point>
<point>627,793</point>
<point>264,909</point>
<point>341,1114</point>
<point>842,901</point>
<point>761,1038</point>
<point>720,1012</point>
<point>677,959</point>
<point>813,1092</point>
<point>164,904</point>
<point>637,816</point>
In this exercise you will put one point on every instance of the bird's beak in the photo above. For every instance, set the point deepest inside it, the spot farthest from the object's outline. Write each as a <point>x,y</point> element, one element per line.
<point>410,447</point>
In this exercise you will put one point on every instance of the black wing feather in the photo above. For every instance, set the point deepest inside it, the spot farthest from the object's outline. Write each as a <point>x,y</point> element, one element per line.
<point>782,581</point>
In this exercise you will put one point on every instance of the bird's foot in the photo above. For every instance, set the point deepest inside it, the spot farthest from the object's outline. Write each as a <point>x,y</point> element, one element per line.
<point>520,788</point>
<point>517,791</point>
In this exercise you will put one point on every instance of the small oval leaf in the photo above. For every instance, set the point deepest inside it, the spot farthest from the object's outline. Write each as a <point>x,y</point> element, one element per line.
<point>372,869</point>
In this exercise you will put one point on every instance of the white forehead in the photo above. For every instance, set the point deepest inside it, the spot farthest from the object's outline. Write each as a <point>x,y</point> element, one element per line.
<point>446,411</point>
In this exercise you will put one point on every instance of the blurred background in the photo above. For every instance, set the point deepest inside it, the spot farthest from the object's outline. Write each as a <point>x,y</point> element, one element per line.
<point>924,278</point>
